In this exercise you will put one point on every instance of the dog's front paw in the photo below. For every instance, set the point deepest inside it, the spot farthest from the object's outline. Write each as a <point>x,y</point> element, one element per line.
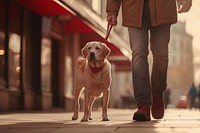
<point>74,117</point>
<point>90,118</point>
<point>84,119</point>
<point>105,119</point>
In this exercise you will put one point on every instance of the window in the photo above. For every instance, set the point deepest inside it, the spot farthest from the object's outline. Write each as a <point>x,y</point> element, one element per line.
<point>14,45</point>
<point>2,58</point>
<point>14,58</point>
<point>46,64</point>
<point>2,43</point>
<point>96,6</point>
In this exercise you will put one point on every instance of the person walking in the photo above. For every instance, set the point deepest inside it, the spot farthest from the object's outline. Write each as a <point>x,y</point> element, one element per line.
<point>198,95</point>
<point>192,93</point>
<point>144,19</point>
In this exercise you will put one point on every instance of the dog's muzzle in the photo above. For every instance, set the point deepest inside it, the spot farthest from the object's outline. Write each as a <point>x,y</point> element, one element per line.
<point>92,56</point>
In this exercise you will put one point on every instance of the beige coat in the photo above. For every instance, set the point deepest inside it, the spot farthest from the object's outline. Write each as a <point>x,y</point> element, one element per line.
<point>161,11</point>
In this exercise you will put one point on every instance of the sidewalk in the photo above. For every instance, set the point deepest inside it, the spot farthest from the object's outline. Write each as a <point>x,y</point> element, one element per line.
<point>175,121</point>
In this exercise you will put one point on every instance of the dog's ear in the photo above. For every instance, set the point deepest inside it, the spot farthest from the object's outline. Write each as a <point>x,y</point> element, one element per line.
<point>106,50</point>
<point>84,51</point>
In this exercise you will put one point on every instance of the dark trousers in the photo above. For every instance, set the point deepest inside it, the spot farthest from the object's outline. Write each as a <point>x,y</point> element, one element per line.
<point>145,85</point>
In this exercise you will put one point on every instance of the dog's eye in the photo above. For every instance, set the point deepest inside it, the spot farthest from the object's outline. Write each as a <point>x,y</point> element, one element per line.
<point>89,47</point>
<point>97,48</point>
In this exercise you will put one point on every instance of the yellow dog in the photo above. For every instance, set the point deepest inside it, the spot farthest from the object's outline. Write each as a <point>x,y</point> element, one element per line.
<point>93,76</point>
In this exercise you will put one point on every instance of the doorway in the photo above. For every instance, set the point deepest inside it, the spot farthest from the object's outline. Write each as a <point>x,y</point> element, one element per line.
<point>55,74</point>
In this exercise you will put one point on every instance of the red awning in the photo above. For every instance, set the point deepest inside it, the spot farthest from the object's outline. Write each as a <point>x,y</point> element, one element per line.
<point>88,33</point>
<point>45,7</point>
<point>78,25</point>
<point>73,24</point>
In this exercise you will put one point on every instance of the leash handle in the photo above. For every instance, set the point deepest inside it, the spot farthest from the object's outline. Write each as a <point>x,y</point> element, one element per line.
<point>109,28</point>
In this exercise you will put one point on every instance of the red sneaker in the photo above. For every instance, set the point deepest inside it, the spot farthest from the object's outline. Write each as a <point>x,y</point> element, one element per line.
<point>157,108</point>
<point>143,113</point>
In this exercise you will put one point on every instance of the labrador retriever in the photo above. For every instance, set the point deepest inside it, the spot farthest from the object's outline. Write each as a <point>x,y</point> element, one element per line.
<point>94,77</point>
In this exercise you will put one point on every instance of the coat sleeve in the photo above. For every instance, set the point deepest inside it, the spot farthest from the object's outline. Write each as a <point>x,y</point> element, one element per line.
<point>112,7</point>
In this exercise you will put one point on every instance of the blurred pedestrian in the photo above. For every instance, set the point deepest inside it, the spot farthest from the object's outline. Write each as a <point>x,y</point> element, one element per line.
<point>198,95</point>
<point>192,93</point>
<point>142,16</point>
<point>167,94</point>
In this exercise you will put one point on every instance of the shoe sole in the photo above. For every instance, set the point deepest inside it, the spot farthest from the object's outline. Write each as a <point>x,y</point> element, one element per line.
<point>157,116</point>
<point>140,117</point>
<point>158,111</point>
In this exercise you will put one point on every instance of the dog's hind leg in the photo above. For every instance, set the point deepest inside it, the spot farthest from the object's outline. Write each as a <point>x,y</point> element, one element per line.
<point>77,94</point>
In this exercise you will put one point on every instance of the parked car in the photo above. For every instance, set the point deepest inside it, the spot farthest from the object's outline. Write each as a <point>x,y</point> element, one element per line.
<point>182,103</point>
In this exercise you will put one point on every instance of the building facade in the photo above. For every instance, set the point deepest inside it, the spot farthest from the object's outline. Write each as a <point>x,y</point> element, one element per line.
<point>180,71</point>
<point>40,42</point>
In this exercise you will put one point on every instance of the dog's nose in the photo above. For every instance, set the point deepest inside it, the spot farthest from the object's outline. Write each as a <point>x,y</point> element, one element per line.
<point>92,56</point>
<point>92,53</point>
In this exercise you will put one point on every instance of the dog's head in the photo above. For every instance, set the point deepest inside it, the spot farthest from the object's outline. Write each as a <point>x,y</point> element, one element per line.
<point>95,51</point>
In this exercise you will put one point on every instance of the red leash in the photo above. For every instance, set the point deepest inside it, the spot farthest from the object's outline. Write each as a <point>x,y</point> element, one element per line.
<point>109,28</point>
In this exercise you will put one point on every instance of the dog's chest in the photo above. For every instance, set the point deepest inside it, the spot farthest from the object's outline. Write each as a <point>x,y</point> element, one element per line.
<point>98,71</point>
<point>95,77</point>
<point>96,89</point>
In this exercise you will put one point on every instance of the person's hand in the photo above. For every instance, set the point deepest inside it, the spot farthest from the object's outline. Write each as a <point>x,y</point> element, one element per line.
<point>112,19</point>
<point>184,5</point>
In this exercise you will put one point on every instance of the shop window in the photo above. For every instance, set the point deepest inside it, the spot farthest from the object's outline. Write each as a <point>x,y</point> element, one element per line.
<point>2,59</point>
<point>68,77</point>
<point>46,64</point>
<point>14,58</point>
<point>2,43</point>
<point>14,45</point>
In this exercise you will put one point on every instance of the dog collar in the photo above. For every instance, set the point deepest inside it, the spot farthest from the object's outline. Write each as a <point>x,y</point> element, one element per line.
<point>96,69</point>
